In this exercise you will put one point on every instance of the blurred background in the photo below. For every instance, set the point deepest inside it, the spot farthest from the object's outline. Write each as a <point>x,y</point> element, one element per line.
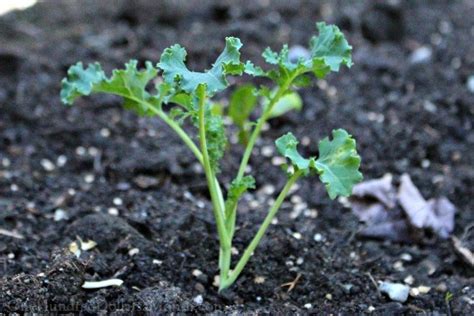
<point>408,100</point>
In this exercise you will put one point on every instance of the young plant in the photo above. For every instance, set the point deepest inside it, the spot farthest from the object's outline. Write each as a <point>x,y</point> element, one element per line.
<point>180,94</point>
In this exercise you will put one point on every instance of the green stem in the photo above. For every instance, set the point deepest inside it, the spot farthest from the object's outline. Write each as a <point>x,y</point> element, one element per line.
<point>187,141</point>
<point>261,231</point>
<point>258,128</point>
<point>224,263</point>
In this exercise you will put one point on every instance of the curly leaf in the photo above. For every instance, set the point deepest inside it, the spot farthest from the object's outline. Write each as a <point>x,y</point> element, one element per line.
<point>328,51</point>
<point>175,71</point>
<point>286,146</point>
<point>128,83</point>
<point>338,164</point>
<point>237,188</point>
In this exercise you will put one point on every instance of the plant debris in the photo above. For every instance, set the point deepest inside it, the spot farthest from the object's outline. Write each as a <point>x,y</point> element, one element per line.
<point>400,215</point>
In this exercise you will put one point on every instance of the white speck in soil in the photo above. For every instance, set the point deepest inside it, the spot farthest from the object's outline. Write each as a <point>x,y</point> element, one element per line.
<point>299,261</point>
<point>6,162</point>
<point>47,165</point>
<point>89,178</point>
<point>93,151</point>
<point>430,106</point>
<point>267,151</point>
<point>71,192</point>
<point>80,151</point>
<point>275,221</point>
<point>398,265</point>
<point>105,132</point>
<point>409,280</point>
<point>318,237</point>
<point>268,189</point>
<point>11,256</point>
<point>308,306</point>
<point>234,251</point>
<point>329,296</point>
<point>312,213</point>
<point>421,55</point>
<point>113,211</point>
<point>425,163</point>
<point>197,273</point>
<point>132,252</point>
<point>278,161</point>
<point>297,235</point>
<point>61,161</point>
<point>198,299</point>
<point>117,201</point>
<point>470,84</point>
<point>157,262</point>
<point>13,187</point>
<point>305,141</point>
<point>60,215</point>
<point>436,39</point>
<point>406,257</point>
<point>259,280</point>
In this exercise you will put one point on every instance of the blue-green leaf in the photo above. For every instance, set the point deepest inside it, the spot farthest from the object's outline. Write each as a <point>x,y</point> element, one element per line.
<point>338,164</point>
<point>175,71</point>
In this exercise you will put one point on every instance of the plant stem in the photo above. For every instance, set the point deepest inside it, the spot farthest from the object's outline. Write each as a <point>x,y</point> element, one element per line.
<point>258,128</point>
<point>261,231</point>
<point>224,253</point>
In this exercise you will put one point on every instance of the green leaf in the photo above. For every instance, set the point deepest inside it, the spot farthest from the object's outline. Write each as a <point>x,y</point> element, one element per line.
<point>338,164</point>
<point>331,47</point>
<point>290,101</point>
<point>242,103</point>
<point>175,71</point>
<point>329,50</point>
<point>80,81</point>
<point>237,188</point>
<point>286,146</point>
<point>128,83</point>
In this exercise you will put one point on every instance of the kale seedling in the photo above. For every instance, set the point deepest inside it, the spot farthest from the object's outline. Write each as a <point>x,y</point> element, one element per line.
<point>180,94</point>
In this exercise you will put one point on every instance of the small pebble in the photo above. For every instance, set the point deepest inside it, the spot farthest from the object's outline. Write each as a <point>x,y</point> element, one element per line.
<point>198,299</point>
<point>117,201</point>
<point>47,165</point>
<point>14,187</point>
<point>329,296</point>
<point>267,151</point>
<point>11,256</point>
<point>61,161</point>
<point>409,280</point>
<point>297,235</point>
<point>80,151</point>
<point>370,309</point>
<point>259,280</point>
<point>234,251</point>
<point>308,306</point>
<point>318,238</point>
<point>299,261</point>
<point>278,161</point>
<point>396,291</point>
<point>133,252</point>
<point>312,213</point>
<point>105,132</point>
<point>425,163</point>
<point>406,257</point>
<point>93,151</point>
<point>217,281</point>
<point>157,262</point>
<point>470,84</point>
<point>275,221</point>
<point>59,215</point>
<point>268,189</point>
<point>6,162</point>
<point>113,211</point>
<point>89,178</point>
<point>197,273</point>
<point>421,55</point>
<point>398,265</point>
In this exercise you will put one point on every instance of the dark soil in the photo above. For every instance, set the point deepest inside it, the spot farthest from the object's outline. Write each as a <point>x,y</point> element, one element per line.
<point>413,118</point>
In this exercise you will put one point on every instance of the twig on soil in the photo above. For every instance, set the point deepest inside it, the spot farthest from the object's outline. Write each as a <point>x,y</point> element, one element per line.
<point>291,285</point>
<point>374,283</point>
<point>9,233</point>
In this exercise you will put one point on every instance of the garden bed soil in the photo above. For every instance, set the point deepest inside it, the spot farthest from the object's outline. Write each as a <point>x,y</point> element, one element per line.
<point>97,172</point>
